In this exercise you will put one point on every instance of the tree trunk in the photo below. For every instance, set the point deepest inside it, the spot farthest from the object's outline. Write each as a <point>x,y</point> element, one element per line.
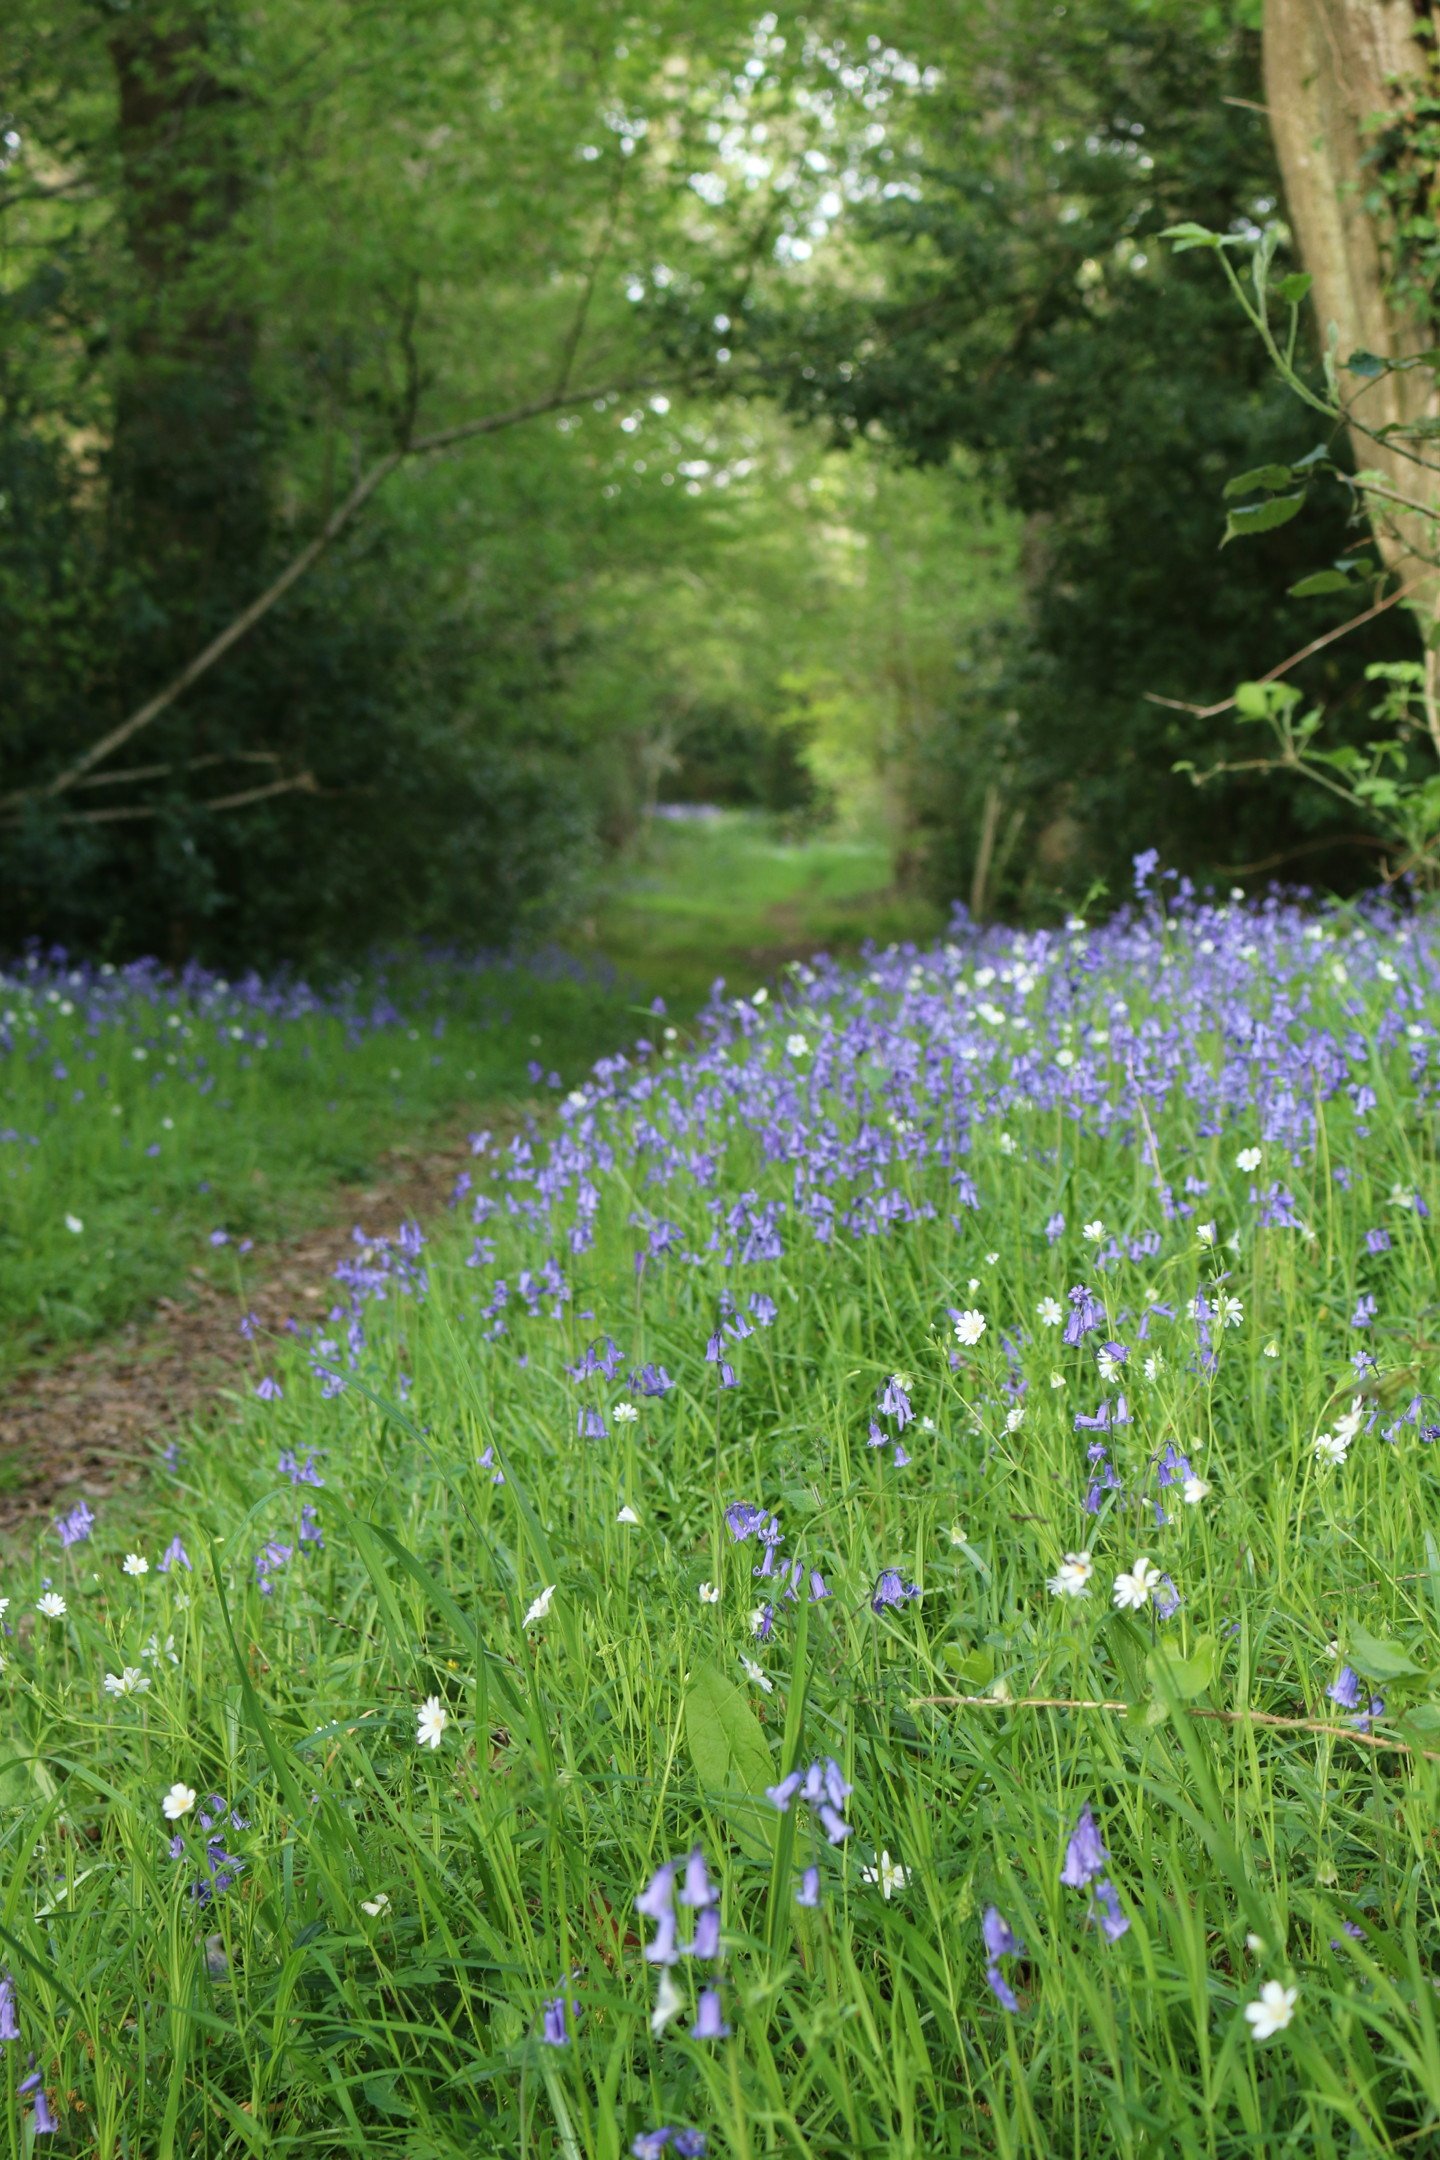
<point>1334,70</point>
<point>187,488</point>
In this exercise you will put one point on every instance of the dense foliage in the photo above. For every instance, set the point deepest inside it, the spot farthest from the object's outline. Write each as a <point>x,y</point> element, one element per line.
<point>952,1456</point>
<point>1030,316</point>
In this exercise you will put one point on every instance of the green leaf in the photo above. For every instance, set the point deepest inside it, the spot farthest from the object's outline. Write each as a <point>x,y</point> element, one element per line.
<point>1294,288</point>
<point>727,1746</point>
<point>1376,1657</point>
<point>1262,517</point>
<point>1191,235</point>
<point>1271,477</point>
<point>1322,581</point>
<point>1178,1678</point>
<point>1366,364</point>
<point>974,1668</point>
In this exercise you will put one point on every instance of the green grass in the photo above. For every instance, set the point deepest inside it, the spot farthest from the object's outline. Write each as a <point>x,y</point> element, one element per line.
<point>620,1728</point>
<point>153,1117</point>
<point>738,898</point>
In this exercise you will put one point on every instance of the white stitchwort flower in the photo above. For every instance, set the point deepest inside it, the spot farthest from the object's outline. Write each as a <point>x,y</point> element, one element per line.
<point>74,1225</point>
<point>1093,1232</point>
<point>1205,1232</point>
<point>1050,1312</point>
<point>1194,1490</point>
<point>136,1564</point>
<point>957,1533</point>
<point>129,1681</point>
<point>667,2002</point>
<point>1015,1418</point>
<point>709,1593</point>
<point>1248,1159</point>
<point>796,1046</point>
<point>1072,1577</point>
<point>627,1514</point>
<point>177,1802</point>
<point>1230,1311</point>
<point>52,1605</point>
<point>1331,1447</point>
<point>1057,1379</point>
<point>1271,1349</point>
<point>376,1905</point>
<point>754,1672</point>
<point>888,1873</point>
<point>540,1607</point>
<point>625,1413</point>
<point>1135,1589</point>
<point>1271,2011</point>
<point>1108,1367</point>
<point>431,1720</point>
<point>970,1327</point>
<point>1348,1424</point>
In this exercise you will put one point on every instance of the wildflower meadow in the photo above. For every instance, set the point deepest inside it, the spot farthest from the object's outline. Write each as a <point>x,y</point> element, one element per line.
<point>872,1589</point>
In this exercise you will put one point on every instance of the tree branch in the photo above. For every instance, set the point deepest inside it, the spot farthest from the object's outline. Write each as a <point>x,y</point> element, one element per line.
<point>303,783</point>
<point>1211,712</point>
<point>259,608</point>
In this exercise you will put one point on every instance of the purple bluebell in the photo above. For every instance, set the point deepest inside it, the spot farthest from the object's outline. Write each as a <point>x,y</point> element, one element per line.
<point>1345,1688</point>
<point>553,2029</point>
<point>173,1556</point>
<point>32,2087</point>
<point>709,2024</point>
<point>1085,1855</point>
<point>705,1943</point>
<point>1105,1909</point>
<point>808,1893</point>
<point>269,1390</point>
<point>1086,1314</point>
<point>9,2025</point>
<point>895,1403</point>
<point>891,1589</point>
<point>1364,1313</point>
<point>697,1889</point>
<point>1054,1228</point>
<point>75,1527</point>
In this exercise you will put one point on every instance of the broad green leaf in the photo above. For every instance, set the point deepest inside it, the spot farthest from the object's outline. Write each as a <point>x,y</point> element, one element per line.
<point>1376,1657</point>
<point>1294,288</point>
<point>1262,517</point>
<point>727,1745</point>
<point>1182,1678</point>
<point>1322,581</point>
<point>1191,235</point>
<point>1366,364</point>
<point>1269,477</point>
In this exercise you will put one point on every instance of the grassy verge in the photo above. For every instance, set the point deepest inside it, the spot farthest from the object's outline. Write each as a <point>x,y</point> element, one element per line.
<point>149,1125</point>
<point>1003,1381</point>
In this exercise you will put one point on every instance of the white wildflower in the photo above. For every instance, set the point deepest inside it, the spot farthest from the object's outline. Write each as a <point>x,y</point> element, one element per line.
<point>888,1873</point>
<point>627,1514</point>
<point>1015,1418</point>
<point>1136,1589</point>
<point>52,1605</point>
<point>1050,1312</point>
<point>129,1681</point>
<point>1194,1490</point>
<point>1271,2011</point>
<point>136,1564</point>
<point>540,1607</point>
<point>1248,1159</point>
<point>1093,1232</point>
<point>709,1593</point>
<point>376,1905</point>
<point>667,2002</point>
<point>177,1802</point>
<point>754,1672</point>
<point>74,1225</point>
<point>1331,1447</point>
<point>625,1413</point>
<point>970,1327</point>
<point>1072,1578</point>
<point>1057,1379</point>
<point>431,1720</point>
<point>797,1046</point>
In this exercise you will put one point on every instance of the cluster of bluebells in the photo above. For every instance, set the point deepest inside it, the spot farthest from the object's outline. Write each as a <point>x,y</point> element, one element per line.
<point>31,2087</point>
<point>661,1902</point>
<point>217,1868</point>
<point>824,1790</point>
<point>783,1579</point>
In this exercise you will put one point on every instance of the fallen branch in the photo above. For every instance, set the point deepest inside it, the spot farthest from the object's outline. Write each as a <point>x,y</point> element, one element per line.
<point>303,783</point>
<point>1269,1718</point>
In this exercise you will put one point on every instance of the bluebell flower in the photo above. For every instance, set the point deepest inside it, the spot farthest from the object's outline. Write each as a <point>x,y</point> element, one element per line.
<point>1085,1855</point>
<point>697,1889</point>
<point>1105,1907</point>
<point>174,1556</point>
<point>1345,1688</point>
<point>891,1589</point>
<point>269,1390</point>
<point>808,1893</point>
<point>32,2087</point>
<point>75,1527</point>
<point>9,2024</point>
<point>706,1941</point>
<point>709,2024</point>
<point>553,2029</point>
<point>895,1403</point>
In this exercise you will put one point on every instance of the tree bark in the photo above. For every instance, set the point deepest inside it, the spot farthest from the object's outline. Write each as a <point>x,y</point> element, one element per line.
<point>1334,70</point>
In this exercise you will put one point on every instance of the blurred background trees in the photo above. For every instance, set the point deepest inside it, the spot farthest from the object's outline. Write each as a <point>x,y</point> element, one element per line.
<point>865,459</point>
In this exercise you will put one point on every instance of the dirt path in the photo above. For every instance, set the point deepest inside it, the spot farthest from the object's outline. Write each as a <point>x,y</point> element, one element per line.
<point>94,1420</point>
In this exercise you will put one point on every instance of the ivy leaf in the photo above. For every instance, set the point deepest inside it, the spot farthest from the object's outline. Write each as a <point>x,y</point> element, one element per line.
<point>1262,517</point>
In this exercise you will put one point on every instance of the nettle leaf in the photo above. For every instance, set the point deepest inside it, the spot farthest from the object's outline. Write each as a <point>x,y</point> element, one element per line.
<point>1271,477</point>
<point>1262,517</point>
<point>1377,1657</point>
<point>727,1745</point>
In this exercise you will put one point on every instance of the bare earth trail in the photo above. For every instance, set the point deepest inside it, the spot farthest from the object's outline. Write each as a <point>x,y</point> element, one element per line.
<point>95,1420</point>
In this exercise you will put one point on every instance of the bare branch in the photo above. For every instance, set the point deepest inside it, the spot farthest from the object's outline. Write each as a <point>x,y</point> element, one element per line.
<point>303,783</point>
<point>194,764</point>
<point>259,608</point>
<point>1211,712</point>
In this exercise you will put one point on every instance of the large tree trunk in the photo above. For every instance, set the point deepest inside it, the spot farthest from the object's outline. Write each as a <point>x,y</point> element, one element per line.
<point>1334,70</point>
<point>187,487</point>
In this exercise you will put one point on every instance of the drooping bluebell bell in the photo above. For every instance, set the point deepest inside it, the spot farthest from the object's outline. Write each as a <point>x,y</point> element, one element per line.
<point>32,2087</point>
<point>9,2024</point>
<point>709,2023</point>
<point>891,1588</point>
<point>553,2029</point>
<point>1345,1688</point>
<point>1106,1911</point>
<point>1085,1854</point>
<point>75,1527</point>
